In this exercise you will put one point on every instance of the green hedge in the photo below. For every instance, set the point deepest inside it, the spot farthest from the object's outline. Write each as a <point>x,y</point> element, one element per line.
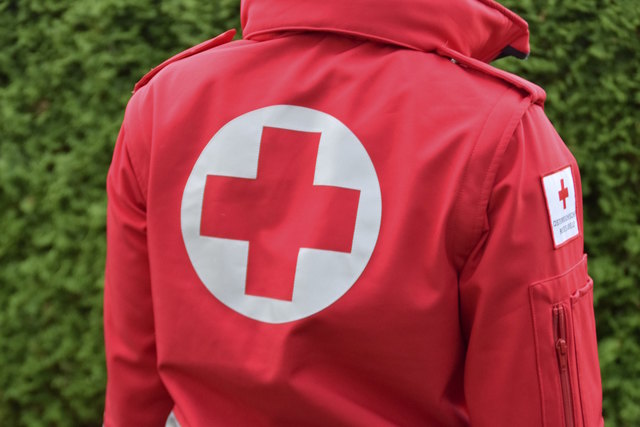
<point>66,72</point>
<point>67,68</point>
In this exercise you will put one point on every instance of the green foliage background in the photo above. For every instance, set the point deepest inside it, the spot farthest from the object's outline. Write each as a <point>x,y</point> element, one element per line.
<point>67,68</point>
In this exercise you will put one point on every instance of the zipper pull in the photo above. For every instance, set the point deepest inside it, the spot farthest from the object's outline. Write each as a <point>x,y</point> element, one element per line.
<point>561,349</point>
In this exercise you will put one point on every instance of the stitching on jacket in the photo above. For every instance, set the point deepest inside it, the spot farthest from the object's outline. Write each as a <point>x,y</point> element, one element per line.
<point>454,225</point>
<point>488,184</point>
<point>358,34</point>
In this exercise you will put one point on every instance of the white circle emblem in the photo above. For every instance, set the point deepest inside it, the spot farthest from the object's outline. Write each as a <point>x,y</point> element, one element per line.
<point>321,276</point>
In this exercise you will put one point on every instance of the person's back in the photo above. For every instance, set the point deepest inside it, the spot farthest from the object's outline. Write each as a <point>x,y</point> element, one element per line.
<point>348,219</point>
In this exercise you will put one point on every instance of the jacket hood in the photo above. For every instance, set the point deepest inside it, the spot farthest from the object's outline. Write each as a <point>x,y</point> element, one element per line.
<point>481,29</point>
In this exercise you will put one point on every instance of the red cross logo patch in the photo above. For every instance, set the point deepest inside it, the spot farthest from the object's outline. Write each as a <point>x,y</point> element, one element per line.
<point>560,194</point>
<point>281,213</point>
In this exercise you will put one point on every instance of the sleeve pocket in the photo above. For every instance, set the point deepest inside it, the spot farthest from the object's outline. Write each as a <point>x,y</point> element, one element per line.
<point>566,349</point>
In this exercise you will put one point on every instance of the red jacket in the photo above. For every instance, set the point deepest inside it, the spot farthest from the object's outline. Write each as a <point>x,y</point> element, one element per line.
<point>348,218</point>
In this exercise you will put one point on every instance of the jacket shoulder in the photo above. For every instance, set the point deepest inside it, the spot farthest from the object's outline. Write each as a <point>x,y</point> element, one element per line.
<point>223,38</point>
<point>536,94</point>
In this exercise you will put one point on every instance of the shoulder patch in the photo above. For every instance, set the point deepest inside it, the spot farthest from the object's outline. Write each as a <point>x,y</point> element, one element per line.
<point>560,193</point>
<point>223,38</point>
<point>537,94</point>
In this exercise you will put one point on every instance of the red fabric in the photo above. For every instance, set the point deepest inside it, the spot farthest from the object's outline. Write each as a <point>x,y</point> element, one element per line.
<point>477,28</point>
<point>451,322</point>
<point>229,211</point>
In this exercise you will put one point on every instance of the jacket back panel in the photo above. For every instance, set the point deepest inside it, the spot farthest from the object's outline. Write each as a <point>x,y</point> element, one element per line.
<point>392,349</point>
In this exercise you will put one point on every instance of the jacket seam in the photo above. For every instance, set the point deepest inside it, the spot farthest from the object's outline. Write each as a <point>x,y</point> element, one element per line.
<point>455,229</point>
<point>580,264</point>
<point>536,93</point>
<point>142,184</point>
<point>128,158</point>
<point>358,34</point>
<point>135,175</point>
<point>488,184</point>
<point>501,148</point>
<point>219,40</point>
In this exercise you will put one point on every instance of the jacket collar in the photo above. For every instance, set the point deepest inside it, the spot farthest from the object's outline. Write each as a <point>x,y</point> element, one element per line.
<point>481,29</point>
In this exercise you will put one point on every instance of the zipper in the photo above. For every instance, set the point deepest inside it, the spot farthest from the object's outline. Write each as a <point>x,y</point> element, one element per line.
<point>562,352</point>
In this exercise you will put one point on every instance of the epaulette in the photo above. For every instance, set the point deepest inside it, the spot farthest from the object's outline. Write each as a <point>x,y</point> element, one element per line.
<point>535,92</point>
<point>223,38</point>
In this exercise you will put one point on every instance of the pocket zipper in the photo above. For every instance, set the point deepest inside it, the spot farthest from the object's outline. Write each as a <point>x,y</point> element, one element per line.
<point>562,351</point>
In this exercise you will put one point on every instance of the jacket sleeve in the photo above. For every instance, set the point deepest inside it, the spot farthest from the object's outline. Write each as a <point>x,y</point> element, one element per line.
<point>135,394</point>
<point>526,299</point>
